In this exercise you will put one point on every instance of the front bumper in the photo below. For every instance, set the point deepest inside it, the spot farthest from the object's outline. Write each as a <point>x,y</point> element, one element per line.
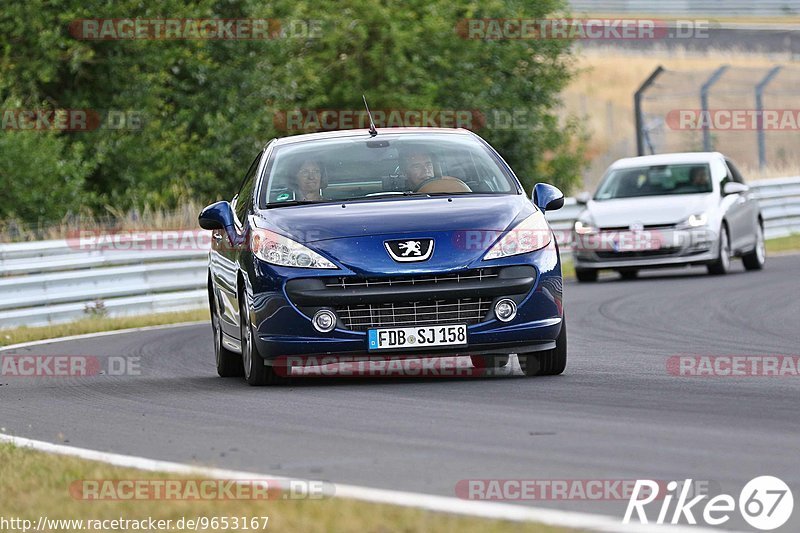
<point>282,307</point>
<point>646,249</point>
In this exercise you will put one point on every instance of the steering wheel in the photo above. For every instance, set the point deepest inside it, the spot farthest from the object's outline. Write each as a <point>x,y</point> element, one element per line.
<point>444,184</point>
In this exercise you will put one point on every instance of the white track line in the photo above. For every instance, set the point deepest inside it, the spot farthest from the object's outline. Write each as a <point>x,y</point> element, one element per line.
<point>430,502</point>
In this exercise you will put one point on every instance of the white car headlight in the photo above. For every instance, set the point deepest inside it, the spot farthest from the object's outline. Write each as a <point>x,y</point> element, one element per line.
<point>282,251</point>
<point>582,227</point>
<point>530,235</point>
<point>695,221</point>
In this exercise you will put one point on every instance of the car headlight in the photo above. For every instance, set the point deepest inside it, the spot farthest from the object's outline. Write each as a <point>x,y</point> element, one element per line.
<point>695,221</point>
<point>279,250</point>
<point>530,235</point>
<point>583,227</point>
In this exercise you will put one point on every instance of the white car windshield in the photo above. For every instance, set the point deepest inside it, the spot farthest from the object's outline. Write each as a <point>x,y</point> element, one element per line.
<point>349,168</point>
<point>655,181</point>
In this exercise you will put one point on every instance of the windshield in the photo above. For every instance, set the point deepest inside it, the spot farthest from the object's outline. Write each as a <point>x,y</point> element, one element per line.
<point>655,181</point>
<point>329,170</point>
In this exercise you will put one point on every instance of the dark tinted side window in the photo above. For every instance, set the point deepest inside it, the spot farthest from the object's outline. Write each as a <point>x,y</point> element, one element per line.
<point>734,172</point>
<point>244,199</point>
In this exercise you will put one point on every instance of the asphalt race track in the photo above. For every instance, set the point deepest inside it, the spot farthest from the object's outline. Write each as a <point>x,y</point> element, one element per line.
<point>617,413</point>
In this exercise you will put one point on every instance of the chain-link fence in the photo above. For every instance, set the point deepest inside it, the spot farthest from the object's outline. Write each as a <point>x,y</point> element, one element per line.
<point>750,114</point>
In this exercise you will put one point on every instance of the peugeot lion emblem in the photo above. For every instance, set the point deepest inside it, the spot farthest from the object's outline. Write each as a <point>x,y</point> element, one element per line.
<point>407,251</point>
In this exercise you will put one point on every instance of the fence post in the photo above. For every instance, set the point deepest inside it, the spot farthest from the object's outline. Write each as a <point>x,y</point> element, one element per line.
<point>762,145</point>
<point>704,105</point>
<point>637,108</point>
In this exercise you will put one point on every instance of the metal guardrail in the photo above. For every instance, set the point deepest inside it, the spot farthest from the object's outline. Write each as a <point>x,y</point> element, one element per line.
<point>63,280</point>
<point>773,8</point>
<point>57,281</point>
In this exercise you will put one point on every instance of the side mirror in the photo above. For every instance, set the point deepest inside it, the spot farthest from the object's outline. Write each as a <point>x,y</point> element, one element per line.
<point>583,198</point>
<point>734,187</point>
<point>546,197</point>
<point>216,216</point>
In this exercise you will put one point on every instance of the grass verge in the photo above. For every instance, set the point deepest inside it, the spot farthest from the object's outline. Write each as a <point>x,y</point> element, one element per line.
<point>36,484</point>
<point>784,244</point>
<point>567,268</point>
<point>95,324</point>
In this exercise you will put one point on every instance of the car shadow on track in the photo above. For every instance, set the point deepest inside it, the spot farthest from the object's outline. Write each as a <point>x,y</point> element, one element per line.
<point>412,371</point>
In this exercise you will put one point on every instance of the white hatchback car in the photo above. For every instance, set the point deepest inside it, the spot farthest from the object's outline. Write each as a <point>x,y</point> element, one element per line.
<point>668,210</point>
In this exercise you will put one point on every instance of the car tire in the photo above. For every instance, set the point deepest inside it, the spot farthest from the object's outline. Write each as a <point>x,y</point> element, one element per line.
<point>547,363</point>
<point>229,364</point>
<point>586,274</point>
<point>629,273</point>
<point>489,361</point>
<point>256,373</point>
<point>722,264</point>
<point>755,259</point>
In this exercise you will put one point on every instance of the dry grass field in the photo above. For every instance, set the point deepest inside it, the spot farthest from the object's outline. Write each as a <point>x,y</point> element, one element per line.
<point>602,92</point>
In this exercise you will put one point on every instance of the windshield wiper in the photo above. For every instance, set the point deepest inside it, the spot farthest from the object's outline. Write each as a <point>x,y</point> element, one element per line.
<point>449,193</point>
<point>386,194</point>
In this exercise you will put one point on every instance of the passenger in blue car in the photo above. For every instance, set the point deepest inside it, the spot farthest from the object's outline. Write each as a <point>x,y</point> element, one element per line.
<point>309,180</point>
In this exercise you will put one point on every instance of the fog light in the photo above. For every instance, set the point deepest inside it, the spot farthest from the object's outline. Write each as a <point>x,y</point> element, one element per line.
<point>505,310</point>
<point>324,320</point>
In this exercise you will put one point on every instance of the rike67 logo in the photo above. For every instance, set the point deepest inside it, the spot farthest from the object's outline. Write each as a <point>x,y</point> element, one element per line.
<point>765,502</point>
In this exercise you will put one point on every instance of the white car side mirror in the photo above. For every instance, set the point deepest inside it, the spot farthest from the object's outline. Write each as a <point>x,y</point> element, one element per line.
<point>733,187</point>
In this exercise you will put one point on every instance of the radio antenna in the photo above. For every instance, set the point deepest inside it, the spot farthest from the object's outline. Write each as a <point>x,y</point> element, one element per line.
<point>372,131</point>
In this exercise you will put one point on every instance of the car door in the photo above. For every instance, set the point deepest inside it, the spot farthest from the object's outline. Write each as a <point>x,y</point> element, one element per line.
<point>746,212</point>
<point>226,246</point>
<point>740,213</point>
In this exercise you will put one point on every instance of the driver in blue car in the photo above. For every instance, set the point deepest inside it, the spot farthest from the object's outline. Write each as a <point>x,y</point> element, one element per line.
<point>418,167</point>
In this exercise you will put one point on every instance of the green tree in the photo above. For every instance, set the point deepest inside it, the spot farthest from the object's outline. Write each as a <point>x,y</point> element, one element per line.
<point>208,105</point>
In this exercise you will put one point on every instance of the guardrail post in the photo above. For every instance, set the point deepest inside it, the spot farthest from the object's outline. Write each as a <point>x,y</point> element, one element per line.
<point>762,145</point>
<point>637,106</point>
<point>704,105</point>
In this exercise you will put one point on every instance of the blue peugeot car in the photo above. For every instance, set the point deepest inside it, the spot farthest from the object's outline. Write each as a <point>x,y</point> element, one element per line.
<point>412,242</point>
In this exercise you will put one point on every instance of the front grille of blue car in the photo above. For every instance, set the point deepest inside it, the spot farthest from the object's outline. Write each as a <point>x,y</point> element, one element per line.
<point>480,274</point>
<point>409,314</point>
<point>365,302</point>
<point>414,313</point>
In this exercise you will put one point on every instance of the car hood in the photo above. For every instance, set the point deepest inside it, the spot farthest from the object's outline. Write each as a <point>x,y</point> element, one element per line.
<point>647,210</point>
<point>312,223</point>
